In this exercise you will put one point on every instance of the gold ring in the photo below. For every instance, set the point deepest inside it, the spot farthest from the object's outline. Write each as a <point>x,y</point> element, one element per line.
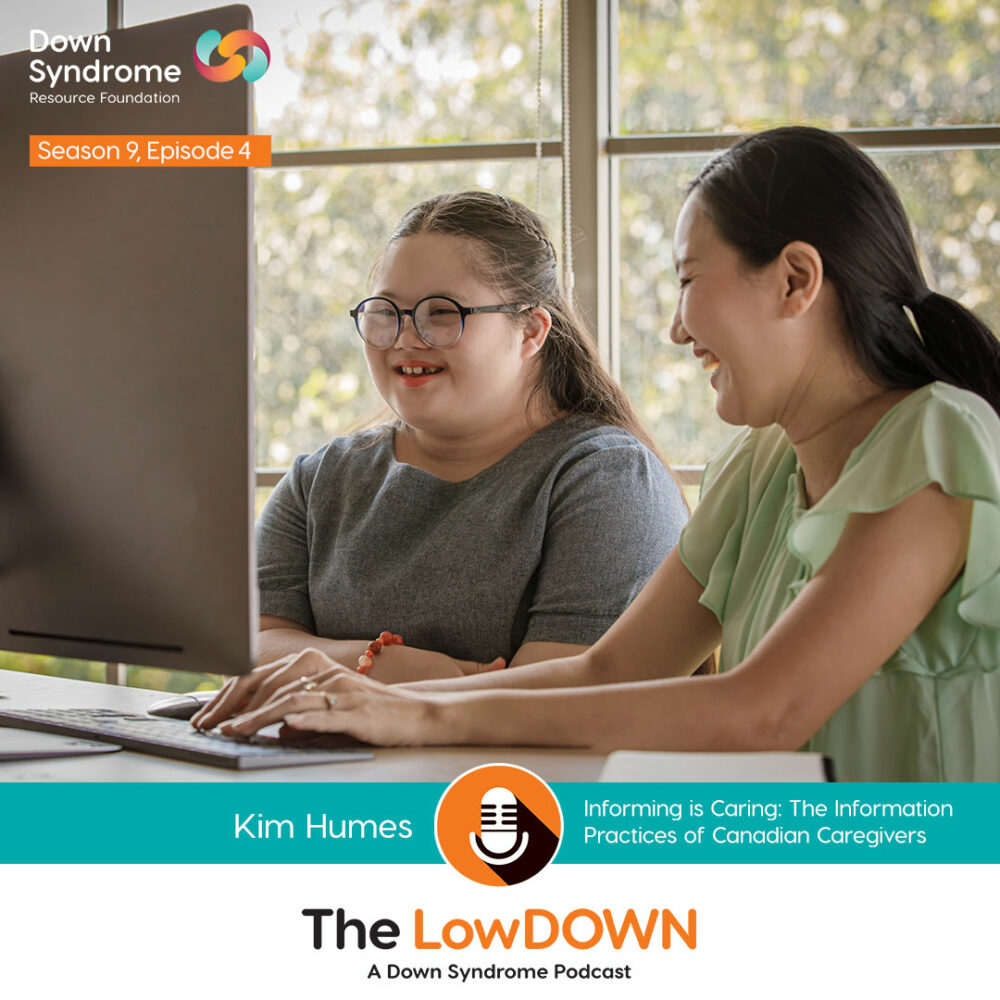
<point>309,685</point>
<point>331,699</point>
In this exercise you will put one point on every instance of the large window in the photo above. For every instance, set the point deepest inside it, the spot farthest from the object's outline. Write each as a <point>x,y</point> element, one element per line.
<point>375,104</point>
<point>722,65</point>
<point>917,84</point>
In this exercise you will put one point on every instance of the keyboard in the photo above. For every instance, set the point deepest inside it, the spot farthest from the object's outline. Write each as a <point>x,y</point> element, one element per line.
<point>172,738</point>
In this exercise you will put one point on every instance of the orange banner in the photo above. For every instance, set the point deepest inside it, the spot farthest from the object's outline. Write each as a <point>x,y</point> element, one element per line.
<point>150,151</point>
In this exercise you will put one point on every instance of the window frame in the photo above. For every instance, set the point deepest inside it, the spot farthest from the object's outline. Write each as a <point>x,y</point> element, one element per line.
<point>596,150</point>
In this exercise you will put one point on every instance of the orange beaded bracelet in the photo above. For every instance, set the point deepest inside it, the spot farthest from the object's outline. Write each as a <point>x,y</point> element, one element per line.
<point>366,659</point>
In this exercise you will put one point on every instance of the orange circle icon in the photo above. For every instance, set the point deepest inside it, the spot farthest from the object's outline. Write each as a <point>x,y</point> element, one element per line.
<point>498,824</point>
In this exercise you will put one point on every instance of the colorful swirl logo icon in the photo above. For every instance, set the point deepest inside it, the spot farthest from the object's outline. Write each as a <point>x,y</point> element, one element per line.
<point>235,64</point>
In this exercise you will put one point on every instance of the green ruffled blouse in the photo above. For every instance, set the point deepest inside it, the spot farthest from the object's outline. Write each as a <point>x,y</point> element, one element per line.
<point>932,711</point>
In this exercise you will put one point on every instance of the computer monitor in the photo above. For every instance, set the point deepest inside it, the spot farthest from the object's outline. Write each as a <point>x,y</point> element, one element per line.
<point>126,405</point>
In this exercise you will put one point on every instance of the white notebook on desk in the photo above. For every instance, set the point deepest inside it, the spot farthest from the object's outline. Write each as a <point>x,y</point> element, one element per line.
<point>644,765</point>
<point>22,744</point>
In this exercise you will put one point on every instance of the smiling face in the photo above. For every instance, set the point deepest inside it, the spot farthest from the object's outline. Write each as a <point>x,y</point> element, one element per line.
<point>473,387</point>
<point>731,318</point>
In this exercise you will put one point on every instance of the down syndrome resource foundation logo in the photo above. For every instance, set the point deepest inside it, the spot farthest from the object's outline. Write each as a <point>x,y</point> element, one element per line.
<point>228,47</point>
<point>498,824</point>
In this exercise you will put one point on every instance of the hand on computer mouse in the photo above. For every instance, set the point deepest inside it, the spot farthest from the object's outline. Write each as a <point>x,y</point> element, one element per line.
<point>181,706</point>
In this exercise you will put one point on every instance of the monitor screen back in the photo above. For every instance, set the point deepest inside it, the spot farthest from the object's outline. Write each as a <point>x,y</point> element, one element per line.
<point>125,374</point>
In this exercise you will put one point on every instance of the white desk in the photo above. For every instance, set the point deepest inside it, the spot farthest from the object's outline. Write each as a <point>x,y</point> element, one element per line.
<point>432,764</point>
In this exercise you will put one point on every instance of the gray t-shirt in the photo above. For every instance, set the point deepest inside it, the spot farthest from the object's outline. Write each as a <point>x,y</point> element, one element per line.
<point>550,543</point>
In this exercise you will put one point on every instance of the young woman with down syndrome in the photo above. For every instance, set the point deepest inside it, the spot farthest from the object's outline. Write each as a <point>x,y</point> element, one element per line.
<point>846,550</point>
<point>511,512</point>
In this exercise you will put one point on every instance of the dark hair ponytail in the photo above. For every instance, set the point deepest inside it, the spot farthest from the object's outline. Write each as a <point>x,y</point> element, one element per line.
<point>800,183</point>
<point>960,347</point>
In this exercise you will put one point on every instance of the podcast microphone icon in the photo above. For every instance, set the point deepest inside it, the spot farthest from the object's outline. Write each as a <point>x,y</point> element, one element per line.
<point>498,844</point>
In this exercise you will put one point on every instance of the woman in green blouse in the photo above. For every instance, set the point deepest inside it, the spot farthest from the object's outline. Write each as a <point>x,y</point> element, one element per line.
<point>845,554</point>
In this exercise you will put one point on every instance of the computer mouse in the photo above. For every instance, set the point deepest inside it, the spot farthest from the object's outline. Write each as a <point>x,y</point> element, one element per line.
<point>180,706</point>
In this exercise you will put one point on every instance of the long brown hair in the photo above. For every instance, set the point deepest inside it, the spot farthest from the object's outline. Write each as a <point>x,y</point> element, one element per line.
<point>510,250</point>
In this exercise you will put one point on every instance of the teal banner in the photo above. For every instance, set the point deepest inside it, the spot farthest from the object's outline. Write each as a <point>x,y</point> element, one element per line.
<point>633,823</point>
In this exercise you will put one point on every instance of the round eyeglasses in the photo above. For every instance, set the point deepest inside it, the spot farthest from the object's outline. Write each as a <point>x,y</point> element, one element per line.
<point>439,321</point>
